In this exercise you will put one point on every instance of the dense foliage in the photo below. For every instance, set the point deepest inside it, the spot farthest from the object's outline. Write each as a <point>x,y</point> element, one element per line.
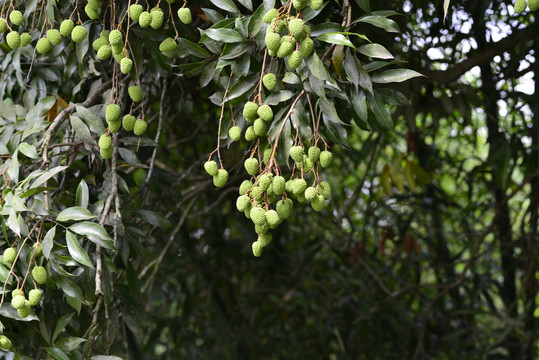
<point>425,247</point>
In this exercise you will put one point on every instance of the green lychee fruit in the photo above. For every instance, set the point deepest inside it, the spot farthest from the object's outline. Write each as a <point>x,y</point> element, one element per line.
<point>318,203</point>
<point>295,59</point>
<point>91,12</point>
<point>289,185</point>
<point>264,181</point>
<point>316,4</point>
<point>145,19</point>
<point>257,248</point>
<point>106,153</point>
<point>234,133</point>
<point>310,193</point>
<point>273,41</point>
<point>265,113</point>
<point>38,249</point>
<point>39,273</point>
<point>34,296</point>
<point>296,153</point>
<point>167,45</point>
<point>295,27</point>
<point>16,17</point>
<point>249,111</point>
<point>270,15</point>
<point>18,301</point>
<point>3,25</point>
<point>17,292</point>
<point>43,46</point>
<point>520,6</point>
<point>117,49</point>
<point>264,239</point>
<point>325,190</point>
<point>262,228</point>
<point>79,33</point>
<point>272,217</point>
<point>185,15</point>
<point>5,343</point>
<point>104,52</point>
<point>245,186</point>
<point>13,39</point>
<point>299,4</point>
<point>300,185</point>
<point>9,256</point>
<point>95,4</point>
<point>256,192</point>
<point>116,37</point>
<point>242,203</point>
<point>112,113</point>
<point>99,42</point>
<point>66,27</point>
<point>325,158</point>
<point>24,311</point>
<point>25,39</point>
<point>128,122</point>
<point>267,154</point>
<point>278,185</point>
<point>125,65</point>
<point>258,215</point>
<point>251,165</point>
<point>250,133</point>
<point>533,4</point>
<point>135,93</point>
<point>285,49</point>
<point>105,141</point>
<point>157,18</point>
<point>259,127</point>
<point>140,127</point>
<point>314,153</point>
<point>221,178</point>
<point>284,208</point>
<point>135,10</point>
<point>306,47</point>
<point>307,164</point>
<point>269,81</point>
<point>211,167</point>
<point>115,126</point>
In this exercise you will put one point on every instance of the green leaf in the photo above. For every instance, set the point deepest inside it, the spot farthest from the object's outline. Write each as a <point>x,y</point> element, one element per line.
<point>28,150</point>
<point>375,51</point>
<point>82,195</point>
<point>359,102</point>
<point>279,97</point>
<point>95,233</point>
<point>364,5</point>
<point>70,289</point>
<point>154,218</point>
<point>94,122</point>
<point>256,21</point>
<point>194,49</point>
<point>74,213</point>
<point>247,3</point>
<point>381,113</point>
<point>60,325</point>
<point>328,108</point>
<point>48,242</point>
<point>381,22</point>
<point>392,97</point>
<point>76,251</point>
<point>227,5</point>
<point>46,176</point>
<point>395,75</point>
<point>13,222</point>
<point>224,35</point>
<point>316,67</point>
<point>69,344</point>
<point>335,38</point>
<point>241,87</point>
<point>82,131</point>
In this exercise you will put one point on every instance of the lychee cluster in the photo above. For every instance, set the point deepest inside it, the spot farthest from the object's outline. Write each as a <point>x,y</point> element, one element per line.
<point>128,122</point>
<point>520,5</point>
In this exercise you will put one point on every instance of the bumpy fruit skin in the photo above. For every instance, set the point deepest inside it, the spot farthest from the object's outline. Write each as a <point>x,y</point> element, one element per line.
<point>91,12</point>
<point>157,18</point>
<point>258,215</point>
<point>278,185</point>
<point>13,39</point>
<point>269,81</point>
<point>43,46</point>
<point>300,185</point>
<point>295,27</point>
<point>17,292</point>
<point>262,229</point>
<point>185,15</point>
<point>25,310</point>
<point>105,141</point>
<point>306,47</point>
<point>145,19</point>
<point>285,49</point>
<point>299,4</point>
<point>520,6</point>
<point>249,111</point>
<point>211,167</point>
<point>95,4</point>
<point>135,10</point>
<point>34,296</point>
<point>115,126</point>
<point>316,4</point>
<point>116,37</point>
<point>251,166</point>
<point>39,273</point>
<point>140,127</point>
<point>310,193</point>
<point>272,217</point>
<point>250,133</point>
<point>112,113</point>
<point>245,186</point>
<point>104,52</point>
<point>106,153</point>
<point>533,4</point>
<point>9,255</point>
<point>295,59</point>
<point>296,153</point>
<point>265,113</point>
<point>167,45</point>
<point>117,49</point>
<point>284,208</point>
<point>79,33</point>
<point>16,17</point>
<point>325,158</point>
<point>38,249</point>
<point>325,190</point>
<point>125,65</point>
<point>307,164</point>
<point>270,15</point>
<point>128,122</point>
<point>99,42</point>
<point>264,239</point>
<point>18,301</point>
<point>242,203</point>
<point>135,93</point>
<point>25,39</point>
<point>260,127</point>
<point>234,133</point>
<point>273,41</point>
<point>314,153</point>
<point>5,343</point>
<point>257,248</point>
<point>66,27</point>
<point>3,25</point>
<point>221,178</point>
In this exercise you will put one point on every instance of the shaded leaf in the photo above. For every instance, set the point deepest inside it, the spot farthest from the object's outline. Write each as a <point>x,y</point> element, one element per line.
<point>75,213</point>
<point>375,51</point>
<point>224,35</point>
<point>95,233</point>
<point>395,75</point>
<point>76,251</point>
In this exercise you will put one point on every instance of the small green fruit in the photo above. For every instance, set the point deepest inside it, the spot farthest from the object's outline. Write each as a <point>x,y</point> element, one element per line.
<point>135,93</point>
<point>25,39</point>
<point>262,229</point>
<point>259,127</point>
<point>145,19</point>
<point>95,4</point>
<point>250,133</point>
<point>9,256</point>
<point>116,37</point>
<point>249,111</point>
<point>140,127</point>
<point>91,12</point>
<point>221,178</point>
<point>104,52</point>
<point>234,133</point>
<point>18,301</point>
<point>242,203</point>
<point>257,248</point>
<point>307,164</point>
<point>251,165</point>
<point>284,208</point>
<point>167,45</point>
<point>135,10</point>
<point>66,27</point>
<point>17,292</point>
<point>270,15</point>
<point>300,185</point>
<point>269,81</point>
<point>112,113</point>
<point>128,122</point>
<point>3,25</point>
<point>306,47</point>
<point>38,249</point>
<point>533,4</point>
<point>265,113</point>
<point>316,4</point>
<point>264,181</point>
<point>295,27</point>
<point>278,185</point>
<point>125,65</point>
<point>299,4</point>
<point>325,158</point>
<point>310,193</point>
<point>157,18</point>
<point>314,153</point>
<point>25,310</point>
<point>273,219</point>
<point>296,153</point>
<point>318,203</point>
<point>106,153</point>
<point>34,296</point>
<point>39,273</point>
<point>520,6</point>
<point>99,42</point>
<point>43,46</point>
<point>117,49</point>
<point>16,17</point>
<point>5,343</point>
<point>13,39</point>
<point>105,141</point>
<point>115,126</point>
<point>211,167</point>
<point>295,59</point>
<point>256,192</point>
<point>267,154</point>
<point>264,239</point>
<point>325,190</point>
<point>245,186</point>
<point>285,49</point>
<point>185,15</point>
<point>273,41</point>
<point>79,33</point>
<point>258,215</point>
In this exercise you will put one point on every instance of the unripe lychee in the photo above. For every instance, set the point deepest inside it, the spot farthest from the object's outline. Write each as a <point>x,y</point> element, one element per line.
<point>34,296</point>
<point>283,209</point>
<point>95,4</point>
<point>250,133</point>
<point>106,153</point>
<point>259,127</point>
<point>325,158</point>
<point>91,12</point>
<point>145,19</point>
<point>5,343</point>
<point>167,45</point>
<point>258,215</point>
<point>234,133</point>
<point>38,249</point>
<point>285,49</point>
<point>247,212</point>
<point>249,111</point>
<point>157,18</point>
<point>295,59</point>
<point>99,42</point>
<point>520,6</point>
<point>295,27</point>
<point>13,39</point>
<point>262,228</point>
<point>79,33</point>
<point>117,49</point>
<point>135,10</point>
<point>128,122</point>
<point>296,153</point>
<point>299,4</point>
<point>125,65</point>
<point>105,141</point>
<point>9,256</point>
<point>533,4</point>
<point>251,165</point>
<point>314,153</point>
<point>112,113</point>
<point>185,15</point>
<point>257,248</point>
<point>16,17</point>
<point>25,39</point>
<point>221,178</point>
<point>114,126</point>
<point>270,15</point>
<point>135,93</point>
<point>269,81</point>
<point>307,164</point>
<point>24,311</point>
<point>265,113</point>
<point>300,185</point>
<point>245,186</point>
<point>277,25</point>
<point>306,47</point>
<point>18,301</point>
<point>267,154</point>
<point>116,37</point>
<point>278,185</point>
<point>289,185</point>
<point>17,292</point>
<point>43,46</point>
<point>272,217</point>
<point>273,41</point>
<point>66,27</point>
<point>264,181</point>
<point>140,127</point>
<point>242,203</point>
<point>211,167</point>
<point>310,193</point>
<point>325,190</point>
<point>264,239</point>
<point>3,25</point>
<point>256,192</point>
<point>318,203</point>
<point>316,4</point>
<point>104,52</point>
<point>39,273</point>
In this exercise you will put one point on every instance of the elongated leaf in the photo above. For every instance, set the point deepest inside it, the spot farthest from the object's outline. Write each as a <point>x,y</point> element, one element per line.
<point>335,38</point>
<point>194,49</point>
<point>82,194</point>
<point>381,113</point>
<point>256,21</point>
<point>46,176</point>
<point>242,87</point>
<point>375,51</point>
<point>381,22</point>
<point>13,222</point>
<point>76,251</point>
<point>247,3</point>
<point>61,324</point>
<point>224,35</point>
<point>75,213</point>
<point>69,344</point>
<point>28,150</point>
<point>227,5</point>
<point>395,75</point>
<point>48,242</point>
<point>94,232</point>
<point>69,288</point>
<point>316,67</point>
<point>328,108</point>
